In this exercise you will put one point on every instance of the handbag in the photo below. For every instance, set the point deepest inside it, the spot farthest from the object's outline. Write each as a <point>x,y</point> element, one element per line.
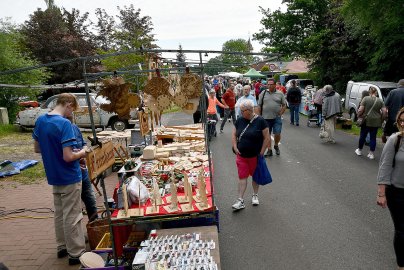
<point>323,132</point>
<point>362,120</point>
<point>242,132</point>
<point>262,175</point>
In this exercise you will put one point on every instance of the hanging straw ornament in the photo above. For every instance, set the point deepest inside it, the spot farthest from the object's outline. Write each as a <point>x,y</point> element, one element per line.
<point>191,84</point>
<point>157,86</point>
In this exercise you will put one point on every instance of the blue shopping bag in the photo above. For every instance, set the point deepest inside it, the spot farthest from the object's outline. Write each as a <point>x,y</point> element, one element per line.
<point>261,175</point>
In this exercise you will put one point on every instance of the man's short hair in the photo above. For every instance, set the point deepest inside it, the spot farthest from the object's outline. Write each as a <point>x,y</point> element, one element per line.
<point>401,82</point>
<point>247,104</point>
<point>66,98</point>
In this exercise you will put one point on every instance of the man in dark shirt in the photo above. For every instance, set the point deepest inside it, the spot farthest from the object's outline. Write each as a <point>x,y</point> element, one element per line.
<point>394,102</point>
<point>294,98</point>
<point>229,99</point>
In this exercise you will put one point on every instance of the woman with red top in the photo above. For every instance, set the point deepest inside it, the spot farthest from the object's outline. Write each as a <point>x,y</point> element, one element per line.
<point>212,102</point>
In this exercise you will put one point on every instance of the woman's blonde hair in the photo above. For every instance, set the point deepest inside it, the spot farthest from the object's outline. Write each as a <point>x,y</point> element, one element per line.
<point>400,112</point>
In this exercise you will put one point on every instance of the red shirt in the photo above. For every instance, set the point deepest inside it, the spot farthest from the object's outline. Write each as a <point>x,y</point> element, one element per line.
<point>281,88</point>
<point>229,98</point>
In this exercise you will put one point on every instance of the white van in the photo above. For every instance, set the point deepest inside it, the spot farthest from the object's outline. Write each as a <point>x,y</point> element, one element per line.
<point>354,93</point>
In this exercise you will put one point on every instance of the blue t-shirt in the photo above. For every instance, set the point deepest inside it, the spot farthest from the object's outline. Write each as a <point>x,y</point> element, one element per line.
<point>250,143</point>
<point>80,144</point>
<point>53,133</point>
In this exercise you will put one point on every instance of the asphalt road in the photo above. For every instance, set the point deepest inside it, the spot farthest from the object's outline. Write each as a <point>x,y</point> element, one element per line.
<point>320,211</point>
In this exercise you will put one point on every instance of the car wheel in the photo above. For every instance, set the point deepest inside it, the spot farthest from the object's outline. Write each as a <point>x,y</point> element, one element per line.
<point>119,124</point>
<point>352,115</point>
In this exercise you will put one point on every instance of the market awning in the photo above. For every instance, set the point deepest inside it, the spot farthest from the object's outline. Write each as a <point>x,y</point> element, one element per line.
<point>252,73</point>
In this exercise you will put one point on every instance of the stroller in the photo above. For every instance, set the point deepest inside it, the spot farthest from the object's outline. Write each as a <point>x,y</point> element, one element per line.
<point>313,116</point>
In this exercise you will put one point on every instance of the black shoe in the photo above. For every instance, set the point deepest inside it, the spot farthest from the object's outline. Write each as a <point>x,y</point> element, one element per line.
<point>269,154</point>
<point>221,131</point>
<point>291,123</point>
<point>74,260</point>
<point>277,150</point>
<point>62,253</point>
<point>297,124</point>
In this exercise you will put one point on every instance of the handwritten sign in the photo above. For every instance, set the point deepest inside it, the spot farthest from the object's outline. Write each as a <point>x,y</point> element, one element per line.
<point>100,159</point>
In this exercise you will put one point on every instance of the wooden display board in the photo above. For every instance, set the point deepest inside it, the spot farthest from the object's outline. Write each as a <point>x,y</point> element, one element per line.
<point>100,159</point>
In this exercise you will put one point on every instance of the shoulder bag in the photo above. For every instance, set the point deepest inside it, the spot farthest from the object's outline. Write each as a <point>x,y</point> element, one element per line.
<point>361,120</point>
<point>242,132</point>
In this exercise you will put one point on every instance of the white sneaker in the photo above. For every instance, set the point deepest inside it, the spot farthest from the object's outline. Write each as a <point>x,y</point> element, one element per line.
<point>371,156</point>
<point>239,204</point>
<point>255,200</point>
<point>358,152</point>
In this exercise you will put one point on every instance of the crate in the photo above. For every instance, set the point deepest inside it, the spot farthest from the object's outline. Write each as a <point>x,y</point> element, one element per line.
<point>133,241</point>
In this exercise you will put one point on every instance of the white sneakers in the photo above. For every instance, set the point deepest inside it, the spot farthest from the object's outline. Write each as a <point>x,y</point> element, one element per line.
<point>359,153</point>
<point>255,200</point>
<point>239,204</point>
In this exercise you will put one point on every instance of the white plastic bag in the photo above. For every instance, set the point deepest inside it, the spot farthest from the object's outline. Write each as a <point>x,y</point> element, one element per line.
<point>137,191</point>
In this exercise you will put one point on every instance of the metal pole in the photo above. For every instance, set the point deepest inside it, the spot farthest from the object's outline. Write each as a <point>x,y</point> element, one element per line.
<point>203,117</point>
<point>104,191</point>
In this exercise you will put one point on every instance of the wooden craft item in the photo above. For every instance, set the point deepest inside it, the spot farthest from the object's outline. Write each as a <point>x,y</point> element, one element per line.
<point>180,99</point>
<point>163,102</point>
<point>173,200</point>
<point>117,92</point>
<point>191,85</point>
<point>144,123</point>
<point>100,159</point>
<point>157,86</point>
<point>187,207</point>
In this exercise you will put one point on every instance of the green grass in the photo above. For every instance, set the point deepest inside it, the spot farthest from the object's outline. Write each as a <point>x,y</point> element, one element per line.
<point>8,130</point>
<point>172,109</point>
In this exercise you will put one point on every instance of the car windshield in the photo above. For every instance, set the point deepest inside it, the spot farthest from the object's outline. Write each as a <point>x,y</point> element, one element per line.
<point>305,83</point>
<point>386,91</point>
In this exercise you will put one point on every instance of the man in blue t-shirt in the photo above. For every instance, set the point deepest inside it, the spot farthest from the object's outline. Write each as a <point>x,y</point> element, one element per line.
<point>55,140</point>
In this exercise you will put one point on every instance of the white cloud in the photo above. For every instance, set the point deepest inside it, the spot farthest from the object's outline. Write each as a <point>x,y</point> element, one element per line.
<point>193,24</point>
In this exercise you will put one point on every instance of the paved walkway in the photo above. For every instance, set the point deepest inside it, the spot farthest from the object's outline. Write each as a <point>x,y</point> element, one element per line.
<point>29,243</point>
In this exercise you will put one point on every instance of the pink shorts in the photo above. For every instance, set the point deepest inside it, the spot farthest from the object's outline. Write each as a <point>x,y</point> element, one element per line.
<point>245,166</point>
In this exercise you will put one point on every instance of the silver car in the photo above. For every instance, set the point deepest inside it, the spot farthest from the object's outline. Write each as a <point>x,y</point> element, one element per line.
<point>102,119</point>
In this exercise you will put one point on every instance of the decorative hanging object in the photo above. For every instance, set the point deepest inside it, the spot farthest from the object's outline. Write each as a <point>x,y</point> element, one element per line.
<point>191,84</point>
<point>180,99</point>
<point>157,86</point>
<point>191,106</point>
<point>117,92</point>
<point>163,102</point>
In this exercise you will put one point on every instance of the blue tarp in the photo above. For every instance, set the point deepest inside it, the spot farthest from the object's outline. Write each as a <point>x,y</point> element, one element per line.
<point>8,168</point>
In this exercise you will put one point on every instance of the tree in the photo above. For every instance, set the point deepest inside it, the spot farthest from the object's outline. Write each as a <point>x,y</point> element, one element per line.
<point>385,52</point>
<point>105,30</point>
<point>53,36</point>
<point>236,62</point>
<point>13,55</point>
<point>181,58</point>
<point>214,66</point>
<point>286,32</point>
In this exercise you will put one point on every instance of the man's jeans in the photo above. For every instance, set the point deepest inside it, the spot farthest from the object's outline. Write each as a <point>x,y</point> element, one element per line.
<point>88,198</point>
<point>294,113</point>
<point>227,113</point>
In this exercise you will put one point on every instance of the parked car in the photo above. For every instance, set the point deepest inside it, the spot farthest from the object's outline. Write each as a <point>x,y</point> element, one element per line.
<point>354,93</point>
<point>102,119</point>
<point>301,83</point>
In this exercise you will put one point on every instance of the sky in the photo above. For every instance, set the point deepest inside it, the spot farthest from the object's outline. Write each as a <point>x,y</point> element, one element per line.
<point>196,25</point>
